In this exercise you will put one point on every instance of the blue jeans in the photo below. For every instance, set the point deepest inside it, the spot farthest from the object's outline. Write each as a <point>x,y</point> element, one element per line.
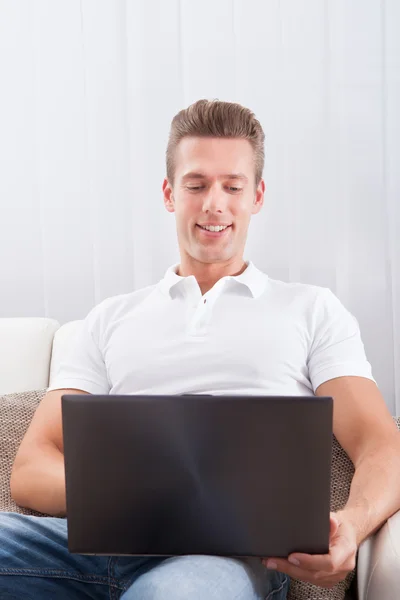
<point>35,564</point>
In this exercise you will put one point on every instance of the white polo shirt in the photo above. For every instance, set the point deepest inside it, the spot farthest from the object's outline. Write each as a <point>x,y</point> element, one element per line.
<point>247,335</point>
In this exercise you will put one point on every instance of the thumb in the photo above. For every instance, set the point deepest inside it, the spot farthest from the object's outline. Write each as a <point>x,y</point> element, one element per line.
<point>334,524</point>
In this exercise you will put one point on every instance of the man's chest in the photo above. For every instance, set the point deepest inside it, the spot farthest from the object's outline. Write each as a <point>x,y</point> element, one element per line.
<point>188,348</point>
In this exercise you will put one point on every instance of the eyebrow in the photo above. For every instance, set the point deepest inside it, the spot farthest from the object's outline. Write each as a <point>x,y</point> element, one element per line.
<point>195,175</point>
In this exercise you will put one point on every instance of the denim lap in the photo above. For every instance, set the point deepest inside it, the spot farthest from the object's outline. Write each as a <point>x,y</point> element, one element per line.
<point>208,578</point>
<point>35,563</point>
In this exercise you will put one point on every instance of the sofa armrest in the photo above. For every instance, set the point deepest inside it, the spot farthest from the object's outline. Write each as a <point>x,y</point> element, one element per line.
<point>378,565</point>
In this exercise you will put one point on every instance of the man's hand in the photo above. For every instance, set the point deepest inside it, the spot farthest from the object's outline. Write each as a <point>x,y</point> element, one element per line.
<point>324,570</point>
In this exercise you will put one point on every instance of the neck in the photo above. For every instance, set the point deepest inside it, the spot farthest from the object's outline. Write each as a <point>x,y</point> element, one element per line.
<point>207,274</point>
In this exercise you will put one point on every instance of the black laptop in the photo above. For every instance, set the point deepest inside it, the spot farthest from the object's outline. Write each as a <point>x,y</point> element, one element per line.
<point>197,474</point>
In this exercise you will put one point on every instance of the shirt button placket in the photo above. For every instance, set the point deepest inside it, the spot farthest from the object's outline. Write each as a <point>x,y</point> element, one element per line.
<point>199,322</point>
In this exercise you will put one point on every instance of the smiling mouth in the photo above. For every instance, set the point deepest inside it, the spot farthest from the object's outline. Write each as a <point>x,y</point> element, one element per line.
<point>213,228</point>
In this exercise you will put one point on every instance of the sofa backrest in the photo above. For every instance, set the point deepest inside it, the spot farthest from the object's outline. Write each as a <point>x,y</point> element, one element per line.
<point>31,350</point>
<point>25,353</point>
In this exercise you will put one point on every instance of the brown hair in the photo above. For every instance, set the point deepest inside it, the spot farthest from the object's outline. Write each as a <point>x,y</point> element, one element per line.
<point>214,118</point>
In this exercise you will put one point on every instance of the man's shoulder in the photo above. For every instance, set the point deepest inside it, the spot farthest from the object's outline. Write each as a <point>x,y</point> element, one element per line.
<point>315,303</point>
<point>296,290</point>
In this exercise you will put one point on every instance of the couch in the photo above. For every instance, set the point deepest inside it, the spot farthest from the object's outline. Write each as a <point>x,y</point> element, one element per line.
<point>30,353</point>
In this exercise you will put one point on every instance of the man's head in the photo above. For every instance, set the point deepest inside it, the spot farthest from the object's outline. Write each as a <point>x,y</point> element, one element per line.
<point>215,160</point>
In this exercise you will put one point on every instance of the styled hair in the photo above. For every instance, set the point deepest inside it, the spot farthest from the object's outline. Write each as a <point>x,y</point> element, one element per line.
<point>214,118</point>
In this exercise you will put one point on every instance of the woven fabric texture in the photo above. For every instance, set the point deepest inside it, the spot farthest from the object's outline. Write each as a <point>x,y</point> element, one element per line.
<point>16,412</point>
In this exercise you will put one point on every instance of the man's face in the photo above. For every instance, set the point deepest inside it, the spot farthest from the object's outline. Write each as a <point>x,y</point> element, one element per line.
<point>214,186</point>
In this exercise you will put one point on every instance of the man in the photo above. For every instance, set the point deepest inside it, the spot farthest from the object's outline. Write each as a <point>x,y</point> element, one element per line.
<point>214,324</point>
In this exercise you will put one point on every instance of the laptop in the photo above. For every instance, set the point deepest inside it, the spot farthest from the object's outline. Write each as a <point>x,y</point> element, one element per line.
<point>197,474</point>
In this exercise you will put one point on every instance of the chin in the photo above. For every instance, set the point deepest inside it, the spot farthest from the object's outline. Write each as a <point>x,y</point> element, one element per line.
<point>207,258</point>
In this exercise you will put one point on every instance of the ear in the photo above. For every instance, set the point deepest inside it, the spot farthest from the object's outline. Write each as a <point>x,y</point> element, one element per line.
<point>259,198</point>
<point>168,196</point>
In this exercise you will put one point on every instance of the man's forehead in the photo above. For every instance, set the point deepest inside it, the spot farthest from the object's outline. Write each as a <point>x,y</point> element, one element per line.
<point>203,175</point>
<point>212,158</point>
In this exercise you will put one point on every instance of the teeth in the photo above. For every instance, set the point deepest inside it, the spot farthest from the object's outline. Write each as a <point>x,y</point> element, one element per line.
<point>214,227</point>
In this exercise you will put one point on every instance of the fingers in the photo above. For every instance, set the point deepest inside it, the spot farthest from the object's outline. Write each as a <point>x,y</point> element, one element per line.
<point>341,557</point>
<point>340,549</point>
<point>312,562</point>
<point>324,570</point>
<point>319,578</point>
<point>306,563</point>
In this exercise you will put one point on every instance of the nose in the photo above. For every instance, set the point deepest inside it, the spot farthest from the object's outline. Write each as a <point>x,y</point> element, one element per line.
<point>214,201</point>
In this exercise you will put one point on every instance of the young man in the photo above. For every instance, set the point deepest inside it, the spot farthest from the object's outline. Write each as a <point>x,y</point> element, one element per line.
<point>214,324</point>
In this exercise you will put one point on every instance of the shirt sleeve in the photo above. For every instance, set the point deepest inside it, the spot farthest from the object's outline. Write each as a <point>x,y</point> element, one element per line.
<point>336,346</point>
<point>83,366</point>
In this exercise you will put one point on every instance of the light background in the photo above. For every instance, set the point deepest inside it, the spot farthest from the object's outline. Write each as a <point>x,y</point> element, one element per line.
<point>88,91</point>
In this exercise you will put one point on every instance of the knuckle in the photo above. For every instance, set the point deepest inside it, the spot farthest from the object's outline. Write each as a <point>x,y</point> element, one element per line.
<point>330,567</point>
<point>333,567</point>
<point>352,564</point>
<point>318,577</point>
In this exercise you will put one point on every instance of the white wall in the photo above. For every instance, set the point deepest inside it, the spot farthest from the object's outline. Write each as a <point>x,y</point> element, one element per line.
<point>87,92</point>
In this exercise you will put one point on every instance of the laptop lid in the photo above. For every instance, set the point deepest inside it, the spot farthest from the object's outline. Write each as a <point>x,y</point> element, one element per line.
<point>215,475</point>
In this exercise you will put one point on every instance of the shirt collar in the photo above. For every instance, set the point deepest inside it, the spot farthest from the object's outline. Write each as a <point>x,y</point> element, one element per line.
<point>252,278</point>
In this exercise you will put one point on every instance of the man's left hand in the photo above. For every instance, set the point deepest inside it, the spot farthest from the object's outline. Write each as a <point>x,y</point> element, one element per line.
<point>324,570</point>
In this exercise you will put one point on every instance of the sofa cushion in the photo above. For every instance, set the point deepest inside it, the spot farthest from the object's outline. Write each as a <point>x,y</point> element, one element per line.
<point>16,412</point>
<point>341,477</point>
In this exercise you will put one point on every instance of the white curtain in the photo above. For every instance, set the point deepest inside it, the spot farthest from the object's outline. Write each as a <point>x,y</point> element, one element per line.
<point>87,92</point>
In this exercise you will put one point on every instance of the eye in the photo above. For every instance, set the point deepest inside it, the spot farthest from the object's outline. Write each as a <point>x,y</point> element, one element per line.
<point>194,188</point>
<point>234,189</point>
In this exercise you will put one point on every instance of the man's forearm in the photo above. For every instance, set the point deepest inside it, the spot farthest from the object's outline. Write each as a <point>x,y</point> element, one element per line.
<point>375,490</point>
<point>40,483</point>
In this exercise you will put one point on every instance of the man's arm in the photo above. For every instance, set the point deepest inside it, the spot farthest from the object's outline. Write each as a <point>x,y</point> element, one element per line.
<point>365,429</point>
<point>37,479</point>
